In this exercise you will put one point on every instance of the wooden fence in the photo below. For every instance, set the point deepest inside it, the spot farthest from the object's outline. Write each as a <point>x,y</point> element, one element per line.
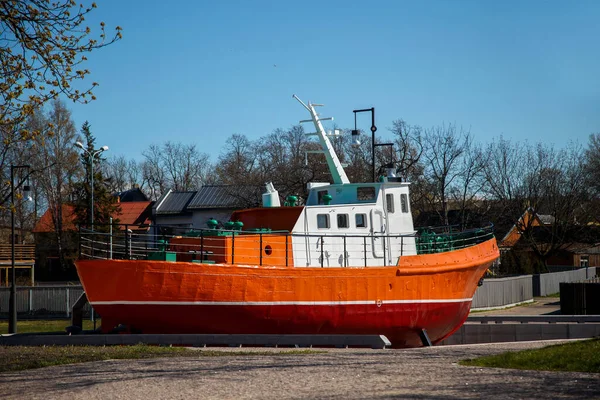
<point>24,259</point>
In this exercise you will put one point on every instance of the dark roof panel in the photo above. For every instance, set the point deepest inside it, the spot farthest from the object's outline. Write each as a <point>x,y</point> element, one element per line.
<point>224,196</point>
<point>134,194</point>
<point>175,203</point>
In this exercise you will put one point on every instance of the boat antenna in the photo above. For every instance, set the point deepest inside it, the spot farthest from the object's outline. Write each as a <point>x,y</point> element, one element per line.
<point>335,167</point>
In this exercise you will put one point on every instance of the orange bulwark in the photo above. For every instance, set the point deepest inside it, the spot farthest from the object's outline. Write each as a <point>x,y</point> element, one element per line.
<point>267,249</point>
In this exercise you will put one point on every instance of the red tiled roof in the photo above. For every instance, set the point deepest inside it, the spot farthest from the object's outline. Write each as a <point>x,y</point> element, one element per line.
<point>132,213</point>
<point>135,213</point>
<point>45,223</point>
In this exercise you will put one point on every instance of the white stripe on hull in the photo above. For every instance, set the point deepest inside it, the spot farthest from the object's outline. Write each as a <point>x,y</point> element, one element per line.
<point>275,303</point>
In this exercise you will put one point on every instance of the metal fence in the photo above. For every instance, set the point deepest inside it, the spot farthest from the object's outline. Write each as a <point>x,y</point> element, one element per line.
<point>43,301</point>
<point>547,284</point>
<point>503,292</point>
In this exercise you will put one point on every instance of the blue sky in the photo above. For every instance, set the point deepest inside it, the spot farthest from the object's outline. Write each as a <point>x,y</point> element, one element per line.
<point>200,71</point>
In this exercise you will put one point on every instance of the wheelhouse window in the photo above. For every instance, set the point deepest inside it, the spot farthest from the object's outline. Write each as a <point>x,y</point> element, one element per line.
<point>342,221</point>
<point>365,193</point>
<point>323,221</point>
<point>361,220</point>
<point>320,195</point>
<point>404,202</point>
<point>389,203</point>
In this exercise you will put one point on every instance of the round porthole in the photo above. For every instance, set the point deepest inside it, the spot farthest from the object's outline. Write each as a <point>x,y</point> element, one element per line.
<point>268,249</point>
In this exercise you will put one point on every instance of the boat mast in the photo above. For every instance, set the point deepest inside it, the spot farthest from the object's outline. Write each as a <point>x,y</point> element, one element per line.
<point>335,167</point>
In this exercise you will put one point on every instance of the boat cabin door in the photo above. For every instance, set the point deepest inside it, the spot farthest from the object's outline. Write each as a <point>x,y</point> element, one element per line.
<point>379,231</point>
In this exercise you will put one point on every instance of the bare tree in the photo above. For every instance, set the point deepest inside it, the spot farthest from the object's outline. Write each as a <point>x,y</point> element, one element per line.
<point>287,158</point>
<point>592,158</point>
<point>122,174</point>
<point>524,182</point>
<point>559,189</point>
<point>468,187</point>
<point>238,160</point>
<point>243,165</point>
<point>134,176</point>
<point>444,147</point>
<point>358,157</point>
<point>273,159</point>
<point>13,151</point>
<point>56,158</point>
<point>185,166</point>
<point>115,169</point>
<point>409,148</point>
<point>153,175</point>
<point>174,166</point>
<point>504,170</point>
<point>25,211</point>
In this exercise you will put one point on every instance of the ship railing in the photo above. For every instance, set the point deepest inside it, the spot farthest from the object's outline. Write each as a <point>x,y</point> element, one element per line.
<point>273,248</point>
<point>451,237</point>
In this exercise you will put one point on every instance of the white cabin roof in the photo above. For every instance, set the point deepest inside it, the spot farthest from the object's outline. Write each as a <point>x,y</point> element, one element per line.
<point>353,193</point>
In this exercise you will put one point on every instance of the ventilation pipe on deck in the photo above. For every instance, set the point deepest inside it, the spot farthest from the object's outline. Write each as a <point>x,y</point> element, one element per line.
<point>271,197</point>
<point>291,201</point>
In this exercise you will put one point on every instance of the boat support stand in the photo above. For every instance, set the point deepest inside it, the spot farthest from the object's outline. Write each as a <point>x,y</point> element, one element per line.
<point>425,338</point>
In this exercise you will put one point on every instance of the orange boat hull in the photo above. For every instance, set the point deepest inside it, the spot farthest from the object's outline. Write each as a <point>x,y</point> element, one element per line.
<point>431,292</point>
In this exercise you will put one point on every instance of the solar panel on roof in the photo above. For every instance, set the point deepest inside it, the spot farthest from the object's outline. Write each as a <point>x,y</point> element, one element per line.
<point>175,202</point>
<point>220,196</point>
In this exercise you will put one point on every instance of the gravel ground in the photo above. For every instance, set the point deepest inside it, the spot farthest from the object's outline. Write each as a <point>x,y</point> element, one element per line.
<point>425,373</point>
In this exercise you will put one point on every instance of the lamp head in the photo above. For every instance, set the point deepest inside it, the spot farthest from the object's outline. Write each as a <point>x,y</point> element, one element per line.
<point>27,192</point>
<point>80,145</point>
<point>104,148</point>
<point>355,138</point>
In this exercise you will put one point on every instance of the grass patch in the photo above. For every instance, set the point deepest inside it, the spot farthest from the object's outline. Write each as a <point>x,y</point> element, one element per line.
<point>18,358</point>
<point>501,308</point>
<point>580,356</point>
<point>554,295</point>
<point>44,325</point>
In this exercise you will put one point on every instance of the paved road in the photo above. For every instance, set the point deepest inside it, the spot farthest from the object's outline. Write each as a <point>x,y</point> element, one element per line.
<point>426,373</point>
<point>540,306</point>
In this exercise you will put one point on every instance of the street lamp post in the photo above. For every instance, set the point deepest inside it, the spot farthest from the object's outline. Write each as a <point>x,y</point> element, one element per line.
<point>12,306</point>
<point>91,155</point>
<point>373,130</point>
<point>355,134</point>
